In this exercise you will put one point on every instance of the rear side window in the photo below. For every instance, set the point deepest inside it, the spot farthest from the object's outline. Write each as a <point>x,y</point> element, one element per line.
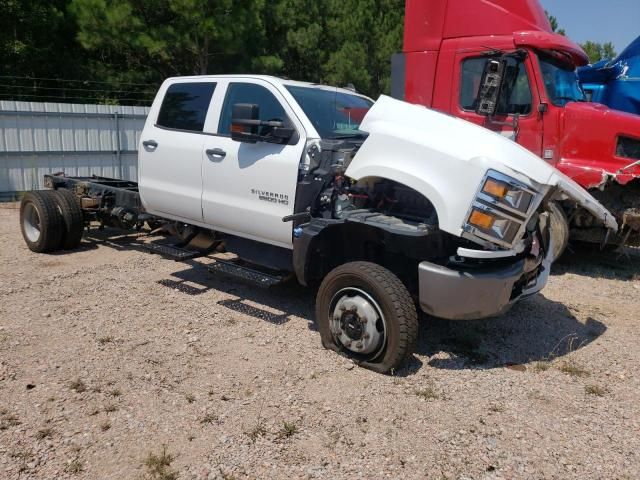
<point>270,107</point>
<point>185,106</point>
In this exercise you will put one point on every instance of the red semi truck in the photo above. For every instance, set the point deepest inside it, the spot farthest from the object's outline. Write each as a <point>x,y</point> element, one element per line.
<point>498,64</point>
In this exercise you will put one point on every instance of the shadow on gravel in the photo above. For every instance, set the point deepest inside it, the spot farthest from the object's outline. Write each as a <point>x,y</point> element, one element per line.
<point>535,330</point>
<point>589,261</point>
<point>275,305</point>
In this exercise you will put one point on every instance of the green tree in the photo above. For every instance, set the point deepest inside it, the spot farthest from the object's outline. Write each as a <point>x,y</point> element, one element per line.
<point>554,24</point>
<point>598,51</point>
<point>172,37</point>
<point>37,40</point>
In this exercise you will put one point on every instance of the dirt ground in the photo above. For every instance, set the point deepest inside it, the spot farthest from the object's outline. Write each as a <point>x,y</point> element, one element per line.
<point>118,364</point>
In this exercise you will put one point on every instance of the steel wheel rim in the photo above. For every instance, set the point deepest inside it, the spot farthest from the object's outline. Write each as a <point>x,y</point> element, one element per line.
<point>357,323</point>
<point>31,223</point>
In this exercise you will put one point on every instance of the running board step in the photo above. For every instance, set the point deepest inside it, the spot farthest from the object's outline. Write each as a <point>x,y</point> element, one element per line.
<point>171,251</point>
<point>246,274</point>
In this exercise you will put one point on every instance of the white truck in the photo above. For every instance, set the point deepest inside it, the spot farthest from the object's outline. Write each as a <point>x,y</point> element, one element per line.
<point>381,206</point>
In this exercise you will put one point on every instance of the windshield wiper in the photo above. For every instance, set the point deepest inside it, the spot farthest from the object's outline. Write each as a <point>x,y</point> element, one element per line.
<point>349,135</point>
<point>570,99</point>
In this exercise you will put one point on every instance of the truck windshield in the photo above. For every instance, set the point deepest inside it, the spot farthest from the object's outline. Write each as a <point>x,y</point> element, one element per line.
<point>334,114</point>
<point>560,81</point>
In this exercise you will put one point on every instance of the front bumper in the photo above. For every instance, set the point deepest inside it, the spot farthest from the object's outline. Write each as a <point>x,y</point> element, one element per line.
<point>467,295</point>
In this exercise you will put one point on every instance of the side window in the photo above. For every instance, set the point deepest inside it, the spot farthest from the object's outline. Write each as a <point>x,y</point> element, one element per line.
<point>270,107</point>
<point>516,91</point>
<point>185,106</point>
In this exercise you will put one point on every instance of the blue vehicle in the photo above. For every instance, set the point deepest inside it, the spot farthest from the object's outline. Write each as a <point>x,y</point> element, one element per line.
<point>615,83</point>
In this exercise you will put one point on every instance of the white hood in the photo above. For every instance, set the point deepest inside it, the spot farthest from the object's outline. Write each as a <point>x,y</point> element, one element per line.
<point>445,158</point>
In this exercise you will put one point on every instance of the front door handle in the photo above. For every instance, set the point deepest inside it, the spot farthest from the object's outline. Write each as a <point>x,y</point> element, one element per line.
<point>150,144</point>
<point>216,152</point>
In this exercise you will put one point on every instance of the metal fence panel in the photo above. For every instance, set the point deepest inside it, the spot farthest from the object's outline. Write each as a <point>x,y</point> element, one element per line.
<point>79,140</point>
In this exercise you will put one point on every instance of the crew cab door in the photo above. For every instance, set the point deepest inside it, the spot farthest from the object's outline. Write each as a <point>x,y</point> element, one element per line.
<point>249,187</point>
<point>517,117</point>
<point>170,151</point>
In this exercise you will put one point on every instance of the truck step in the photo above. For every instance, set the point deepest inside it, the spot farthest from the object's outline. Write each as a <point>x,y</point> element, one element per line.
<point>246,274</point>
<point>171,251</point>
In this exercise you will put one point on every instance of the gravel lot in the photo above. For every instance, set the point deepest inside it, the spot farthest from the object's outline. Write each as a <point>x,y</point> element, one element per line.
<point>115,363</point>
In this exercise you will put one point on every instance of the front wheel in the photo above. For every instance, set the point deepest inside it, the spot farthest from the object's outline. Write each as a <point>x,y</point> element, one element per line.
<point>365,312</point>
<point>559,230</point>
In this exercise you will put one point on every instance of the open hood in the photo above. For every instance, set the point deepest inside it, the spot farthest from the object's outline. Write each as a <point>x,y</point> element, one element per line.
<point>445,159</point>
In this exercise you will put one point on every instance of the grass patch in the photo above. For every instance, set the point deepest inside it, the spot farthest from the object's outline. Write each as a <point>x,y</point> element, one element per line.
<point>541,366</point>
<point>43,433</point>
<point>110,408</point>
<point>496,408</point>
<point>258,430</point>
<point>596,390</point>
<point>106,425</point>
<point>115,393</point>
<point>78,386</point>
<point>75,466</point>
<point>288,430</point>
<point>190,397</point>
<point>106,339</point>
<point>159,466</point>
<point>8,420</point>
<point>573,369</point>
<point>209,419</point>
<point>426,393</point>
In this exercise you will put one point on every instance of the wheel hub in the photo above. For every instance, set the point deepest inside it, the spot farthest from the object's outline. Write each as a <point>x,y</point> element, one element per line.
<point>352,326</point>
<point>356,322</point>
<point>31,223</point>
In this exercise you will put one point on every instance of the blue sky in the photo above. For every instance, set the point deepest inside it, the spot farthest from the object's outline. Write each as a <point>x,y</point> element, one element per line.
<point>616,21</point>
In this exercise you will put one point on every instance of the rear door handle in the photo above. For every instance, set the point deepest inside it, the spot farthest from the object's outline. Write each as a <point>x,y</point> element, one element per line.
<point>150,144</point>
<point>216,152</point>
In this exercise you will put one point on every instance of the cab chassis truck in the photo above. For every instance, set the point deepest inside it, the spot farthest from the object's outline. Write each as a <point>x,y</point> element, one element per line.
<point>380,206</point>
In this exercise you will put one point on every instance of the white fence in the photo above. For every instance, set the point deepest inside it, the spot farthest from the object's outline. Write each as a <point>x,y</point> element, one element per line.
<point>79,140</point>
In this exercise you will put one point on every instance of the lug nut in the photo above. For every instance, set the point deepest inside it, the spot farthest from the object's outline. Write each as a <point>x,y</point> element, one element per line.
<point>359,345</point>
<point>366,336</point>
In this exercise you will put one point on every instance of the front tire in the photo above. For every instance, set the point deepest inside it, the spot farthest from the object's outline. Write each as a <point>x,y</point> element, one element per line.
<point>559,230</point>
<point>365,312</point>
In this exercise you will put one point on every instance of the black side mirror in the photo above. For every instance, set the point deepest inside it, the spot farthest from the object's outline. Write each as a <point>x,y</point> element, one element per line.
<point>245,123</point>
<point>247,127</point>
<point>490,86</point>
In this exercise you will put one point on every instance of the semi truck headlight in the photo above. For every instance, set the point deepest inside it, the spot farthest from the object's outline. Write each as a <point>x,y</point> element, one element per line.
<point>501,209</point>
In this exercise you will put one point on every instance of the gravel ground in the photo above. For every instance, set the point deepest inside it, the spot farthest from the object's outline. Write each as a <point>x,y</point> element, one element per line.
<point>115,363</point>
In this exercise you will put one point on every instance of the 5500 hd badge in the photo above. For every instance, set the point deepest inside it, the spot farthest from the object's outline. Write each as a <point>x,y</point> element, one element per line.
<point>271,197</point>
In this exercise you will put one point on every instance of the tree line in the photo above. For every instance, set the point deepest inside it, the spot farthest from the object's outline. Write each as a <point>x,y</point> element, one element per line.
<point>119,51</point>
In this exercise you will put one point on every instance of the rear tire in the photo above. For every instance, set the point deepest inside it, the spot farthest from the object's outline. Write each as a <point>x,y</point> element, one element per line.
<point>40,222</point>
<point>72,217</point>
<point>559,230</point>
<point>366,313</point>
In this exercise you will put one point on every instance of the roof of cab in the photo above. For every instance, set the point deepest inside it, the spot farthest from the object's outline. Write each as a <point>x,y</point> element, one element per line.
<point>271,79</point>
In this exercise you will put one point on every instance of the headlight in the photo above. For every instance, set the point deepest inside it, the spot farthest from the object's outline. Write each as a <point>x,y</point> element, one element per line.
<point>511,195</point>
<point>501,209</point>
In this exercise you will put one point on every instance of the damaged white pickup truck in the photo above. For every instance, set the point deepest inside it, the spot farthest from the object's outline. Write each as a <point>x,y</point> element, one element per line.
<point>382,205</point>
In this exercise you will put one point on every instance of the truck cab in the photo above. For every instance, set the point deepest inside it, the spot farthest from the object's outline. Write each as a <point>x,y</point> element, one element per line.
<point>448,47</point>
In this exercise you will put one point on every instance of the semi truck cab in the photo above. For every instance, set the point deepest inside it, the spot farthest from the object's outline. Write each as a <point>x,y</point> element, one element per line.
<point>450,49</point>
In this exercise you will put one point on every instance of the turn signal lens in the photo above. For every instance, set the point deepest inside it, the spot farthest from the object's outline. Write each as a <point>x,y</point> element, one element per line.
<point>481,219</point>
<point>495,188</point>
